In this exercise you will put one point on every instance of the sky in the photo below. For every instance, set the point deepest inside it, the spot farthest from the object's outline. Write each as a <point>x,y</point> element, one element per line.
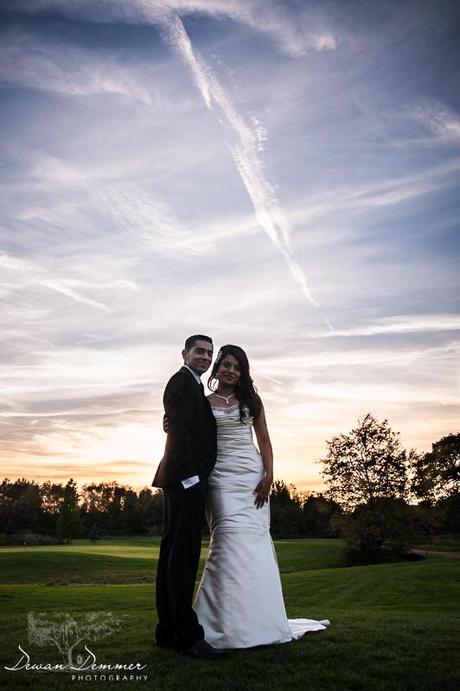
<point>279,175</point>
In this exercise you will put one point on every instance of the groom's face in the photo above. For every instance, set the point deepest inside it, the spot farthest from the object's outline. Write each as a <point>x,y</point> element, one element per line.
<point>199,357</point>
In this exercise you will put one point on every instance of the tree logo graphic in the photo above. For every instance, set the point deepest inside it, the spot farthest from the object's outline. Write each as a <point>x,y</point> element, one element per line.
<point>70,633</point>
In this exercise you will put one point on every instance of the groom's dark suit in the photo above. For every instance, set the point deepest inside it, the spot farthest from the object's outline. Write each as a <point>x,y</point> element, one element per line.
<point>191,449</point>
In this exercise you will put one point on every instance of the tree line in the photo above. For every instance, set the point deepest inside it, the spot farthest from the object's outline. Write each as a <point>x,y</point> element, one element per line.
<point>379,498</point>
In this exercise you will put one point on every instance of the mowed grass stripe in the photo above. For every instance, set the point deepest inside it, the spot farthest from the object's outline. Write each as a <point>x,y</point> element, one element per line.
<point>433,584</point>
<point>122,562</point>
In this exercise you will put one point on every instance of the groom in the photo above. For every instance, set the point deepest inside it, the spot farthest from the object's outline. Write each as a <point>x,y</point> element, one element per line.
<point>189,456</point>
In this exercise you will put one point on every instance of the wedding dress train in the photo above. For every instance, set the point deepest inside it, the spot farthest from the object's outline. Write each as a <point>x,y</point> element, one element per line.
<point>239,601</point>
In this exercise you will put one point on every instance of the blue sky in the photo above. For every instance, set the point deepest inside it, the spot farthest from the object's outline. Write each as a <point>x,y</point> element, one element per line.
<point>280,175</point>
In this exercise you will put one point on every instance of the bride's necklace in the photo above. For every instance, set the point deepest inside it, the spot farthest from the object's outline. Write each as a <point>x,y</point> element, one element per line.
<point>224,398</point>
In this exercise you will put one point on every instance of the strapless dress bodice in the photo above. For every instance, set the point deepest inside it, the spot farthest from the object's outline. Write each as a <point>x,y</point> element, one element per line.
<point>233,435</point>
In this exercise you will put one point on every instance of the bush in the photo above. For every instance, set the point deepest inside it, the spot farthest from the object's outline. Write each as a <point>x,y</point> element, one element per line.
<point>382,528</point>
<point>27,538</point>
<point>361,558</point>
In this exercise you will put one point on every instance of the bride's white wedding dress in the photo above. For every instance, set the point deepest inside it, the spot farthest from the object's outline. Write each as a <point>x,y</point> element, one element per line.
<point>239,601</point>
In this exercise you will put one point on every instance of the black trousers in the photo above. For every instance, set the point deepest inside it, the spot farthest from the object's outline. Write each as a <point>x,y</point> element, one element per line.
<point>184,514</point>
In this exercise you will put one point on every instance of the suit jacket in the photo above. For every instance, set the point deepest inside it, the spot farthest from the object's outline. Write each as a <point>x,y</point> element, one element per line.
<point>191,442</point>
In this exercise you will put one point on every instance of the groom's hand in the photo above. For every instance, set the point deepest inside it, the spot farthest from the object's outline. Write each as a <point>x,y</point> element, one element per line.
<point>165,423</point>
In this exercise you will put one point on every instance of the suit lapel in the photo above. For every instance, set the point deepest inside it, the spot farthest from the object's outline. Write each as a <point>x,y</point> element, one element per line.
<point>184,369</point>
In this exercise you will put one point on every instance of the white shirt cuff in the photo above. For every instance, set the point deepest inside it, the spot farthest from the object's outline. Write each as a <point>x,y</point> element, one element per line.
<point>190,481</point>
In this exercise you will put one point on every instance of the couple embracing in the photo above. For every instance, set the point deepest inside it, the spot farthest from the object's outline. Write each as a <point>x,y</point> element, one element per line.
<point>212,469</point>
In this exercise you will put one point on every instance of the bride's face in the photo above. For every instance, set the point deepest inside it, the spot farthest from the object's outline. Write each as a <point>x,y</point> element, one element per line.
<point>229,371</point>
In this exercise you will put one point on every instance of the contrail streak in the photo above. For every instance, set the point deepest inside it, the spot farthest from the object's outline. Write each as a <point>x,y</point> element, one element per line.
<point>267,209</point>
<point>36,275</point>
<point>65,290</point>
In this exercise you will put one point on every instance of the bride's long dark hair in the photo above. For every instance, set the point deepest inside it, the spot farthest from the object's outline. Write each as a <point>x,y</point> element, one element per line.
<point>245,390</point>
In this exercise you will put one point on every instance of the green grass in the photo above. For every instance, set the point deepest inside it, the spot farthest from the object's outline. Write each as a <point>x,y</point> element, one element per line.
<point>394,626</point>
<point>134,561</point>
<point>442,543</point>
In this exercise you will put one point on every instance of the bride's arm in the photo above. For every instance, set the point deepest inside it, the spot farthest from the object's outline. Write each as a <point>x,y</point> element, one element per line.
<point>262,490</point>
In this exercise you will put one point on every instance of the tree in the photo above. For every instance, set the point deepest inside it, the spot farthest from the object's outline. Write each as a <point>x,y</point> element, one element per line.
<point>114,507</point>
<point>20,501</point>
<point>130,518</point>
<point>10,526</point>
<point>151,508</point>
<point>280,492</point>
<point>437,473</point>
<point>93,533</point>
<point>367,475</point>
<point>317,514</point>
<point>52,495</point>
<point>69,523</point>
<point>366,465</point>
<point>285,511</point>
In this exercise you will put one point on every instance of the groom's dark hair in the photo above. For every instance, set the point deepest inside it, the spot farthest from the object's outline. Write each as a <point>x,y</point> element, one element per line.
<point>190,342</point>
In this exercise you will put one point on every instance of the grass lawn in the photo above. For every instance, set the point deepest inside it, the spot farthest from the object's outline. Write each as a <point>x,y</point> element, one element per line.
<point>134,561</point>
<point>442,543</point>
<point>394,626</point>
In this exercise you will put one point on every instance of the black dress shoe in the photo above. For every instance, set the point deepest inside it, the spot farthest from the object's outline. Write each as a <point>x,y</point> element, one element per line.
<point>202,649</point>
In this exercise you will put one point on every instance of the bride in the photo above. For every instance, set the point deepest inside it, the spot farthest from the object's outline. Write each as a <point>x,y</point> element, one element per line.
<point>239,601</point>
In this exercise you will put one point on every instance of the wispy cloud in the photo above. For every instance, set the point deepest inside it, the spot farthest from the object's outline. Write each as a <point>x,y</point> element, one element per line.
<point>245,150</point>
<point>266,16</point>
<point>32,274</point>
<point>399,324</point>
<point>64,68</point>
<point>347,356</point>
<point>324,41</point>
<point>439,119</point>
<point>380,193</point>
<point>66,196</point>
<point>268,211</point>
